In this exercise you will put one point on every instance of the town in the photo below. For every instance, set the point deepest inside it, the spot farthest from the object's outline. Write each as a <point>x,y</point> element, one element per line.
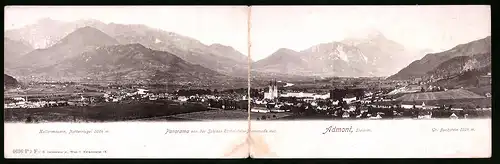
<point>333,98</point>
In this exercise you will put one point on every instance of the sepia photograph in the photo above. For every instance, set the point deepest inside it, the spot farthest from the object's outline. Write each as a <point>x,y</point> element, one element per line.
<point>247,81</point>
<point>372,62</point>
<point>87,66</point>
<point>101,64</point>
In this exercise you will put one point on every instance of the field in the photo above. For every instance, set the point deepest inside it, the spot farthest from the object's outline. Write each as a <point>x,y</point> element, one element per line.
<point>38,91</point>
<point>219,114</point>
<point>130,110</point>
<point>445,95</point>
<point>481,90</point>
<point>216,114</point>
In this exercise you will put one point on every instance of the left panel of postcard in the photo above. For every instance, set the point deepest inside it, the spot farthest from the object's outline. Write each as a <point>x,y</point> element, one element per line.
<point>125,82</point>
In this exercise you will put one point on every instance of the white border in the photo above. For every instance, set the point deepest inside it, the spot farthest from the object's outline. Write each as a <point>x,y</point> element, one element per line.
<point>270,139</point>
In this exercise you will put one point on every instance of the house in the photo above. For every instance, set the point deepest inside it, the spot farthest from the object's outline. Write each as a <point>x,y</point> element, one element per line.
<point>406,106</point>
<point>277,110</point>
<point>349,100</point>
<point>346,115</point>
<point>378,116</point>
<point>259,102</point>
<point>298,95</point>
<point>314,103</point>
<point>153,98</point>
<point>19,99</point>
<point>182,98</point>
<point>366,101</point>
<point>322,96</point>
<point>351,108</point>
<point>141,91</point>
<point>260,110</point>
<point>425,115</point>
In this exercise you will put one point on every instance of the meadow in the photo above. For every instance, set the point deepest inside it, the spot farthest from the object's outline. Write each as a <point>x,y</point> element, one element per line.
<point>102,112</point>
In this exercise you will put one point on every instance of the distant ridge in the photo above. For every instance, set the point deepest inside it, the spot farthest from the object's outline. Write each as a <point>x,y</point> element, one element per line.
<point>9,81</point>
<point>432,61</point>
<point>370,55</point>
<point>220,58</point>
<point>80,40</point>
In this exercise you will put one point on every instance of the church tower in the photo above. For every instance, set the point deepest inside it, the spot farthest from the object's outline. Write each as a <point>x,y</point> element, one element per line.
<point>271,88</point>
<point>275,90</point>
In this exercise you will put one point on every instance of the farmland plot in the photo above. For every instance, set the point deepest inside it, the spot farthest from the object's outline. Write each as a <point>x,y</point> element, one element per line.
<point>104,112</point>
<point>216,114</point>
<point>220,114</point>
<point>450,94</point>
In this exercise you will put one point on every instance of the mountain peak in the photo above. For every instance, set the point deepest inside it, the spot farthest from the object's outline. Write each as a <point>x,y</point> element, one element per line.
<point>88,36</point>
<point>87,28</point>
<point>374,33</point>
<point>285,50</point>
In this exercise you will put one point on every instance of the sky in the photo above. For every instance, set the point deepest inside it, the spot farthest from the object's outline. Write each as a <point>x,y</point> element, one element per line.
<point>437,28</point>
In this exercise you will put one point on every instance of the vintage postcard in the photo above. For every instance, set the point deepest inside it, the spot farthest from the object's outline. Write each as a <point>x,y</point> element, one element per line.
<point>239,81</point>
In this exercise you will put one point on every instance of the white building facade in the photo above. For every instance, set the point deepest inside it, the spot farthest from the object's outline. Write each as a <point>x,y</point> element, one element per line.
<point>273,91</point>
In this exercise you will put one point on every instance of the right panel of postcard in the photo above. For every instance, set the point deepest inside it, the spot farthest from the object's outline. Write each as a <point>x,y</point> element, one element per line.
<point>371,81</point>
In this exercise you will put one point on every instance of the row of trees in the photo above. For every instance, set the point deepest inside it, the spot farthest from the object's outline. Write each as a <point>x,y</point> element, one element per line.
<point>228,104</point>
<point>339,94</point>
<point>191,92</point>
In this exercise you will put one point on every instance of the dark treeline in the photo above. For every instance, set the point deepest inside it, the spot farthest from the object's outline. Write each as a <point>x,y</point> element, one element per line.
<point>257,93</point>
<point>339,94</point>
<point>58,83</point>
<point>191,92</point>
<point>239,91</point>
<point>228,104</point>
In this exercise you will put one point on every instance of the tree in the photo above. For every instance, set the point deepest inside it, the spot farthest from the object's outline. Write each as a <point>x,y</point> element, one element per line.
<point>422,89</point>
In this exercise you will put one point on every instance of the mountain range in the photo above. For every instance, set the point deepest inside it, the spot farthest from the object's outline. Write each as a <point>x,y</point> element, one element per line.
<point>47,32</point>
<point>88,54</point>
<point>373,55</point>
<point>93,50</point>
<point>77,42</point>
<point>13,50</point>
<point>129,63</point>
<point>472,55</point>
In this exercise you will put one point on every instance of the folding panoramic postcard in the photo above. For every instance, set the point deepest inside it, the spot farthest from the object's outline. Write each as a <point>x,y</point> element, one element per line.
<point>239,81</point>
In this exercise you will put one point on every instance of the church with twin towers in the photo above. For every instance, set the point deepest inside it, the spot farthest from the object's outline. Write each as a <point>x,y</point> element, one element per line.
<point>273,91</point>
